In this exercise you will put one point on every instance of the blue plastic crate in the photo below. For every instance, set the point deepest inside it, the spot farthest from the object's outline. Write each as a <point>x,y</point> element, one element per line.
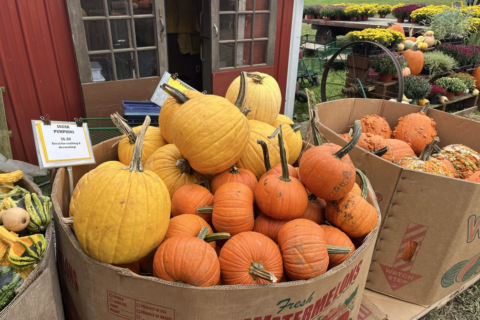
<point>140,108</point>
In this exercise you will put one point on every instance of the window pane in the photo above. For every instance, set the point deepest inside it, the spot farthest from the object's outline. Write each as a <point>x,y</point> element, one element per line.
<point>118,7</point>
<point>227,5</point>
<point>145,32</point>
<point>227,27</point>
<point>245,5</point>
<point>121,34</point>
<point>262,5</point>
<point>260,52</point>
<point>148,63</point>
<point>101,66</point>
<point>125,64</point>
<point>261,25</point>
<point>97,35</point>
<point>143,6</point>
<point>243,53</point>
<point>244,26</point>
<point>226,55</point>
<point>92,8</point>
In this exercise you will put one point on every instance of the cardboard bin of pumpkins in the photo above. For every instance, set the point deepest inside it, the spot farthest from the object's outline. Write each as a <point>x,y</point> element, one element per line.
<point>429,245</point>
<point>283,265</point>
<point>29,287</point>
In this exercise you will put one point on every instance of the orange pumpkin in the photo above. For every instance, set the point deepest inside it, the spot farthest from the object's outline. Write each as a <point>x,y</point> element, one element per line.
<point>250,258</point>
<point>189,197</point>
<point>476,75</point>
<point>278,168</point>
<point>315,210</point>
<point>234,174</point>
<point>371,142</point>
<point>336,237</point>
<point>416,129</point>
<point>411,39</point>
<point>327,170</point>
<point>398,150</point>
<point>475,177</point>
<point>187,225</point>
<point>268,226</point>
<point>281,197</point>
<point>134,266</point>
<point>194,252</point>
<point>397,27</point>
<point>376,125</point>
<point>415,60</point>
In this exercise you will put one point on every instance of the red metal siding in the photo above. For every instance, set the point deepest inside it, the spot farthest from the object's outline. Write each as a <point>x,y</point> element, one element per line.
<point>38,67</point>
<point>221,80</point>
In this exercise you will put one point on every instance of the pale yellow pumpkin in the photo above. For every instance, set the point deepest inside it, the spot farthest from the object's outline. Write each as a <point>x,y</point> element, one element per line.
<point>252,159</point>
<point>429,40</point>
<point>264,97</point>
<point>170,106</point>
<point>153,140</point>
<point>292,136</point>
<point>85,179</point>
<point>169,164</point>
<point>123,215</point>
<point>210,132</point>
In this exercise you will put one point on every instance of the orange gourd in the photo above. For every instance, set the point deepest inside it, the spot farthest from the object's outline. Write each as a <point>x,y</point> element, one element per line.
<point>411,39</point>
<point>336,237</point>
<point>465,160</point>
<point>250,258</point>
<point>397,27</point>
<point>476,75</point>
<point>193,252</point>
<point>415,60</point>
<point>234,174</point>
<point>425,163</point>
<point>376,125</point>
<point>281,197</point>
<point>189,197</point>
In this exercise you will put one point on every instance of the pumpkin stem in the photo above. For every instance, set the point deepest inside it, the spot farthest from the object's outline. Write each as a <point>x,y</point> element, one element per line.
<point>425,155</point>
<point>364,186</point>
<point>357,131</point>
<point>312,197</point>
<point>317,140</point>
<point>338,250</point>
<point>257,270</point>
<point>204,181</point>
<point>175,94</point>
<point>266,157</point>
<point>123,127</point>
<point>234,170</point>
<point>203,233</point>
<point>242,92</point>
<point>381,152</point>
<point>136,163</point>
<point>257,78</point>
<point>246,111</point>
<point>424,109</point>
<point>283,155</point>
<point>217,236</point>
<point>437,149</point>
<point>208,209</point>
<point>295,127</point>
<point>184,166</point>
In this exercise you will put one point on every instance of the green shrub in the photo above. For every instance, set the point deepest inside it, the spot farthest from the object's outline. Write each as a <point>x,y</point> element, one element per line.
<point>416,88</point>
<point>451,84</point>
<point>437,62</point>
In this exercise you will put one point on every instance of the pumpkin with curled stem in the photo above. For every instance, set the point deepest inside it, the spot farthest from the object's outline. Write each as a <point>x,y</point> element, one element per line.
<point>250,258</point>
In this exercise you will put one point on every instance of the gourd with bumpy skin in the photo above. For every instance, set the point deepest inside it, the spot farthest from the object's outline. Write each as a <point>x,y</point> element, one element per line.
<point>171,166</point>
<point>313,258</point>
<point>235,174</point>
<point>193,252</point>
<point>130,217</point>
<point>9,282</point>
<point>85,179</point>
<point>210,132</point>
<point>252,158</point>
<point>475,177</point>
<point>336,237</point>
<point>189,197</point>
<point>263,97</point>
<point>152,141</point>
<point>465,160</point>
<point>376,125</point>
<point>416,129</point>
<point>170,106</point>
<point>352,214</point>
<point>250,258</point>
<point>281,196</point>
<point>425,163</point>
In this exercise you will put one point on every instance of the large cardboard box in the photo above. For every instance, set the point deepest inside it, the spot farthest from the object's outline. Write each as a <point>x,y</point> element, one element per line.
<point>39,296</point>
<point>439,214</point>
<point>94,290</point>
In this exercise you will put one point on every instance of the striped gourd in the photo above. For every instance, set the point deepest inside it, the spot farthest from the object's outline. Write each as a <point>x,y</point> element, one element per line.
<point>21,252</point>
<point>39,209</point>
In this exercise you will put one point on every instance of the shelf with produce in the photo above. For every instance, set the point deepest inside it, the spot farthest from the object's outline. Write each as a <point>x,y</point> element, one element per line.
<point>469,99</point>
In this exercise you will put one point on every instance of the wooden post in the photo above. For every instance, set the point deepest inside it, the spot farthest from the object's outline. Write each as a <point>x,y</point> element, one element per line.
<point>5,147</point>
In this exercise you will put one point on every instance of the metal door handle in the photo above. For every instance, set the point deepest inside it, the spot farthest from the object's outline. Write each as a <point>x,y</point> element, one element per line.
<point>215,28</point>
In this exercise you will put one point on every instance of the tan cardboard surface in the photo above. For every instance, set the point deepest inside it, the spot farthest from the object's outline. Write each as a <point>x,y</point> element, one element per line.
<point>440,214</point>
<point>94,290</point>
<point>39,296</point>
<point>369,311</point>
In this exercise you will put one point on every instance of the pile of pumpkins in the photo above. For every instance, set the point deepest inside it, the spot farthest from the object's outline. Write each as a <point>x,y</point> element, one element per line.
<point>211,196</point>
<point>413,145</point>
<point>24,218</point>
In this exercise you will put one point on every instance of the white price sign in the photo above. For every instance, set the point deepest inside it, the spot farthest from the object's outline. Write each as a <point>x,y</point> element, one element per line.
<point>62,144</point>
